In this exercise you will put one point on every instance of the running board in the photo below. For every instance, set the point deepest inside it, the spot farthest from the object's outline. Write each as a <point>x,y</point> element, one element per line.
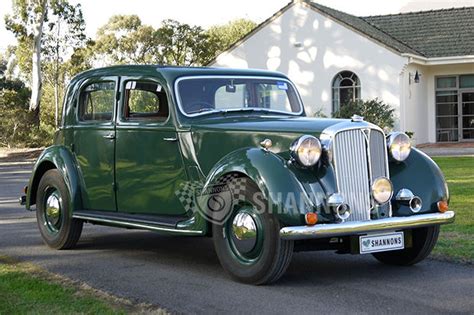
<point>137,221</point>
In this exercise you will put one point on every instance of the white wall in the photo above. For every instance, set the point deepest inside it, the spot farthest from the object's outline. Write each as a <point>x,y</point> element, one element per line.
<point>413,105</point>
<point>328,48</point>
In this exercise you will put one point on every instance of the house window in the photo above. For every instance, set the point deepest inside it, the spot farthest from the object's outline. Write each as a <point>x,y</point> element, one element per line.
<point>454,108</point>
<point>345,89</point>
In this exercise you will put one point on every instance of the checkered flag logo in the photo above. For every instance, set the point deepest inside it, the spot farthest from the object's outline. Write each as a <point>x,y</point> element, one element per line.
<point>187,195</point>
<point>215,202</point>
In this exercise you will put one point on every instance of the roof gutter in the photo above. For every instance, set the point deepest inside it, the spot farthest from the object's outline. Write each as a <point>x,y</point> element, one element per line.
<point>438,60</point>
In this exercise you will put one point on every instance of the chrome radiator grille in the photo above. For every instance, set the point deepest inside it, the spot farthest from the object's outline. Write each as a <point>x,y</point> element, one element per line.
<point>359,158</point>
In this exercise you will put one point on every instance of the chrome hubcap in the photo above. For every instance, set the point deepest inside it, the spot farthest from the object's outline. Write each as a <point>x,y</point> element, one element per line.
<point>53,210</point>
<point>244,232</point>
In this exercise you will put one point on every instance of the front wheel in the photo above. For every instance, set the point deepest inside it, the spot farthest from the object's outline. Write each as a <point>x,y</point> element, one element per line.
<point>424,240</point>
<point>57,227</point>
<point>248,244</point>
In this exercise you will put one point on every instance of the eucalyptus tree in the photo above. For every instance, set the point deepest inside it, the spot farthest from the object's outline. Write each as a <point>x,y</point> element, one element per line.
<point>223,36</point>
<point>45,31</point>
<point>125,40</point>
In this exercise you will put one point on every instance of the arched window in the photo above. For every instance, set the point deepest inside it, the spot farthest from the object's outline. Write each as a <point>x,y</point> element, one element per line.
<point>345,89</point>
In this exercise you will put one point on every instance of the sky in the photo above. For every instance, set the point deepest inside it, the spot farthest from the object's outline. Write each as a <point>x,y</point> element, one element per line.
<point>210,12</point>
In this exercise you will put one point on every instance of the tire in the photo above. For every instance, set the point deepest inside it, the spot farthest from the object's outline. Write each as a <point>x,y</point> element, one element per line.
<point>53,214</point>
<point>270,257</point>
<point>424,240</point>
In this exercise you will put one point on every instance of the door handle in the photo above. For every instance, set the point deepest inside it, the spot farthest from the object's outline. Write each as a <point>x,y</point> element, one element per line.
<point>109,136</point>
<point>170,139</point>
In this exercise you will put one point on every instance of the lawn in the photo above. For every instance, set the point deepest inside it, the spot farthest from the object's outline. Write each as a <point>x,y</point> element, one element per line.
<point>456,241</point>
<point>26,289</point>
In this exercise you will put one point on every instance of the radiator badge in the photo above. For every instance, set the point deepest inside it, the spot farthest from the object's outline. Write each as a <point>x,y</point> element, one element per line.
<point>357,118</point>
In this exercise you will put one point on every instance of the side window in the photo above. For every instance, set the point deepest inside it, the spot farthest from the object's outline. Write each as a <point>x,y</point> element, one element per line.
<point>96,101</point>
<point>145,101</point>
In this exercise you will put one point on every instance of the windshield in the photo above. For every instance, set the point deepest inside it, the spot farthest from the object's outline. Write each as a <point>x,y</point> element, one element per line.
<point>206,95</point>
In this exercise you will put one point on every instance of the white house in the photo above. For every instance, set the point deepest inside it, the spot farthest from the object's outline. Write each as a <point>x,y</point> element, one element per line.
<point>421,63</point>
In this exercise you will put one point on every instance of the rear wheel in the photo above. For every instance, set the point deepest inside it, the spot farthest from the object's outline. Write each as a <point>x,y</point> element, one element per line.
<point>57,227</point>
<point>424,240</point>
<point>248,243</point>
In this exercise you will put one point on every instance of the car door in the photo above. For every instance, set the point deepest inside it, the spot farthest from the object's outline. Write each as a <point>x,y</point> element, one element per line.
<point>149,167</point>
<point>94,142</point>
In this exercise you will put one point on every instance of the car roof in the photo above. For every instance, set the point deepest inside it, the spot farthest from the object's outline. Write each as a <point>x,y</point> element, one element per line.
<point>170,73</point>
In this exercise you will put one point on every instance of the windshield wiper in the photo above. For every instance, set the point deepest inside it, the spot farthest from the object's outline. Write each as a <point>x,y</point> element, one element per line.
<point>201,110</point>
<point>246,109</point>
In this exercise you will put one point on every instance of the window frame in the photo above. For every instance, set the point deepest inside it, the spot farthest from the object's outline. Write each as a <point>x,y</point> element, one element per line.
<point>121,119</point>
<point>88,82</point>
<point>355,87</point>
<point>458,91</point>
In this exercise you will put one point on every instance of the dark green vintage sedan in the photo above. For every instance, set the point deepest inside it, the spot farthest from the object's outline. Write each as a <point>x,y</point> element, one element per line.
<point>230,154</point>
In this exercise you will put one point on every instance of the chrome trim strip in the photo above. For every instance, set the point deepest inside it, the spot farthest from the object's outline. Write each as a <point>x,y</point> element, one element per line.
<point>136,225</point>
<point>361,227</point>
<point>178,98</point>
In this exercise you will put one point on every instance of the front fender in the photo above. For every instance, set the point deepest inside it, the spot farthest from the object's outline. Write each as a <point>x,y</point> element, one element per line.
<point>279,185</point>
<point>423,177</point>
<point>56,157</point>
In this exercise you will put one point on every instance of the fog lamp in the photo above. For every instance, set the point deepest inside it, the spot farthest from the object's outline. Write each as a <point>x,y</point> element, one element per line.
<point>382,190</point>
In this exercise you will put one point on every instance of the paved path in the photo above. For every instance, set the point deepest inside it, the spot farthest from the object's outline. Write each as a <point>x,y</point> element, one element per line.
<point>448,151</point>
<point>182,274</point>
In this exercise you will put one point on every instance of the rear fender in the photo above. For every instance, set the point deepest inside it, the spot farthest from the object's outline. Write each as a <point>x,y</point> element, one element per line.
<point>60,158</point>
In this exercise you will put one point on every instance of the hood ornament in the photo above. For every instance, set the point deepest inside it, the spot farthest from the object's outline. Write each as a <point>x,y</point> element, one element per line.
<point>357,118</point>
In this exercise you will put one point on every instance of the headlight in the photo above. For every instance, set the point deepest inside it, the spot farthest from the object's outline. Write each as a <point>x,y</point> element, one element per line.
<point>399,145</point>
<point>306,150</point>
<point>382,190</point>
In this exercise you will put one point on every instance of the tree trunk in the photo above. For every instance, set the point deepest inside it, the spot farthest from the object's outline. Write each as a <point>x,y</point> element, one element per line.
<point>56,77</point>
<point>36,81</point>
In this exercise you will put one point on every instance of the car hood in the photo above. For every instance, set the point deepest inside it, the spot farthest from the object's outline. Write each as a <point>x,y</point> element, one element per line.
<point>269,124</point>
<point>215,137</point>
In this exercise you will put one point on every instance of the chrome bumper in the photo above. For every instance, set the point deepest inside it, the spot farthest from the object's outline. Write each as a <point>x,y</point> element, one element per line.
<point>361,227</point>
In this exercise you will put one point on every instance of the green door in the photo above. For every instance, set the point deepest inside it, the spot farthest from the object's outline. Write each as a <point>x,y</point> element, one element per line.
<point>94,142</point>
<point>149,166</point>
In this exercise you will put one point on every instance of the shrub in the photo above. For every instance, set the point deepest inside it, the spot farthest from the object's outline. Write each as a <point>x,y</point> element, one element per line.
<point>374,111</point>
<point>17,123</point>
<point>320,113</point>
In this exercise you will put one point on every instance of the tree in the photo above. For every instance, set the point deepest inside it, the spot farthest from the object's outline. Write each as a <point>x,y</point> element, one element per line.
<point>37,38</point>
<point>14,98</point>
<point>222,36</point>
<point>125,40</point>
<point>183,44</point>
<point>374,111</point>
<point>27,25</point>
<point>65,33</point>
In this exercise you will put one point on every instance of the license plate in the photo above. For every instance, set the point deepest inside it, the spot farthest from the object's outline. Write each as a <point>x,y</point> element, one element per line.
<point>381,242</point>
